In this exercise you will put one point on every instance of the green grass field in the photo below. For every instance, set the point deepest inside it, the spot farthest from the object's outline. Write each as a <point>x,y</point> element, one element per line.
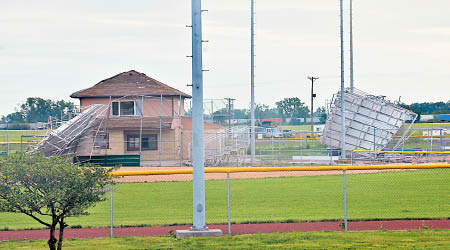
<point>289,148</point>
<point>431,125</point>
<point>423,239</point>
<point>297,128</point>
<point>389,195</point>
<point>14,135</point>
<point>302,128</point>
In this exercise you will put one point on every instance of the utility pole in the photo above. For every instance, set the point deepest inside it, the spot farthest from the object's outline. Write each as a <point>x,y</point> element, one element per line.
<point>230,108</point>
<point>252,76</point>
<point>351,46</point>
<point>198,152</point>
<point>312,78</point>
<point>342,82</point>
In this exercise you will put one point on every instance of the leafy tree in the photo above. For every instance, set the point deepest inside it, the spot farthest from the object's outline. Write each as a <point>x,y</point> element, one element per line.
<point>263,111</point>
<point>221,116</point>
<point>428,108</point>
<point>36,109</point>
<point>18,126</point>
<point>321,113</point>
<point>241,113</point>
<point>292,108</point>
<point>16,117</point>
<point>39,186</point>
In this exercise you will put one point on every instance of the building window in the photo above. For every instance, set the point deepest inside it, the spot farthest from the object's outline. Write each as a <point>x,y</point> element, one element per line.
<point>115,108</point>
<point>148,142</point>
<point>127,108</point>
<point>101,141</point>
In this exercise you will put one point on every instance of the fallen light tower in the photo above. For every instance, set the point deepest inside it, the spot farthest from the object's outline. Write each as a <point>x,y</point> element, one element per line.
<point>371,122</point>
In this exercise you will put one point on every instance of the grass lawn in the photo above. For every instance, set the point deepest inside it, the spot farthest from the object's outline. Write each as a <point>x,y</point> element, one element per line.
<point>431,125</point>
<point>389,195</point>
<point>302,128</point>
<point>289,148</point>
<point>423,239</point>
<point>14,135</point>
<point>298,128</point>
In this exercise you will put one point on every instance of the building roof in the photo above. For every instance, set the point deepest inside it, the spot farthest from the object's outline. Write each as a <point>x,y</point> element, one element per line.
<point>128,83</point>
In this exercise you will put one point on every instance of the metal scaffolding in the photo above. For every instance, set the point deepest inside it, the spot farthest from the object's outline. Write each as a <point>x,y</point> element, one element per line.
<point>156,133</point>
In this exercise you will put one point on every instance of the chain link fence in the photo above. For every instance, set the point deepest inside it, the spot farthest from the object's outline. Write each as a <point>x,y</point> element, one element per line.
<point>281,196</point>
<point>286,196</point>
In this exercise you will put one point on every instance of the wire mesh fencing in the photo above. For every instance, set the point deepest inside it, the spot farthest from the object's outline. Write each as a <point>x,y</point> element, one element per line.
<point>325,194</point>
<point>4,145</point>
<point>158,147</point>
<point>286,196</point>
<point>398,195</point>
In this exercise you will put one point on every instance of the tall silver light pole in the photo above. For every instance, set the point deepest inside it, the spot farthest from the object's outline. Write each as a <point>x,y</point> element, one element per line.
<point>351,46</point>
<point>198,153</point>
<point>342,82</point>
<point>252,76</point>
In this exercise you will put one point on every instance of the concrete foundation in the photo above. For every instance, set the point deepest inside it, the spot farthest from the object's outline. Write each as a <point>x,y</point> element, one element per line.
<point>207,233</point>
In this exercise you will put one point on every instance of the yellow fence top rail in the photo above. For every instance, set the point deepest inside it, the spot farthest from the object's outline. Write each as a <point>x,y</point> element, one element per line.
<point>424,136</point>
<point>279,169</point>
<point>402,152</point>
<point>18,142</point>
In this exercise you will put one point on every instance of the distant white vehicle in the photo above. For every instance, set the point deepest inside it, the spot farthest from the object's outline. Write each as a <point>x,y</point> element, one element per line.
<point>273,132</point>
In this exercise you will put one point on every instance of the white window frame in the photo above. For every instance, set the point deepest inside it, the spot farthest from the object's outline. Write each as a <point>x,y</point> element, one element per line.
<point>135,113</point>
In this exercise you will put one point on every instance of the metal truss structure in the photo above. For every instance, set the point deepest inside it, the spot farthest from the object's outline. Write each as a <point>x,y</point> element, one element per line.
<point>371,122</point>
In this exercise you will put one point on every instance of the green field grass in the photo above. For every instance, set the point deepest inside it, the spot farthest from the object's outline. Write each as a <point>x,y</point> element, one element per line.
<point>297,128</point>
<point>431,125</point>
<point>389,195</point>
<point>423,239</point>
<point>302,128</point>
<point>289,148</point>
<point>14,135</point>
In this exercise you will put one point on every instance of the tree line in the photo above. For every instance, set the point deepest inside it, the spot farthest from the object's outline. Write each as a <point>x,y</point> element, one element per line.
<point>36,109</point>
<point>290,109</point>
<point>429,108</point>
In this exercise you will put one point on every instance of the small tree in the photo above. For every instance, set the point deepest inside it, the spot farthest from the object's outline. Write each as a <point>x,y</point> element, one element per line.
<point>322,114</point>
<point>291,108</point>
<point>39,186</point>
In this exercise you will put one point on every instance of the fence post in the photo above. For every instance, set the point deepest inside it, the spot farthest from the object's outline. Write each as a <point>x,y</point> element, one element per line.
<point>330,153</point>
<point>21,143</point>
<point>272,149</point>
<point>260,157</point>
<point>374,139</point>
<point>345,200</point>
<point>9,148</point>
<point>279,148</point>
<point>111,228</point>
<point>351,158</point>
<point>228,202</point>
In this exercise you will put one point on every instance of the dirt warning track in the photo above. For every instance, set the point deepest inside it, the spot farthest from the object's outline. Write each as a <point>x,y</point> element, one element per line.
<point>223,176</point>
<point>80,233</point>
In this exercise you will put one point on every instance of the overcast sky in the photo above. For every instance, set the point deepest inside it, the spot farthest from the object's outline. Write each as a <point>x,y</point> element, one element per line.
<point>51,49</point>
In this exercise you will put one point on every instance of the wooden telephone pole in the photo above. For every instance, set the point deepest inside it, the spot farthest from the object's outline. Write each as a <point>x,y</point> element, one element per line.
<point>312,78</point>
